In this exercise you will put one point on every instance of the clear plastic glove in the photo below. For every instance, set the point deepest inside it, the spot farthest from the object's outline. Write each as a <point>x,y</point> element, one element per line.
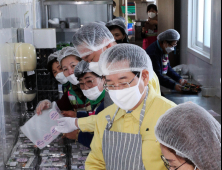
<point>67,125</point>
<point>182,82</point>
<point>43,105</point>
<point>178,87</point>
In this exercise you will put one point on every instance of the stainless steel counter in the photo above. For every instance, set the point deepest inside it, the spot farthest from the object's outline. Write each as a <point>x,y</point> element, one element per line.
<point>209,103</point>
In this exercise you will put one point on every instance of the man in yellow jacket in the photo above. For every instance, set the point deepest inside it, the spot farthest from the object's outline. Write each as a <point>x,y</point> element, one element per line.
<point>124,132</point>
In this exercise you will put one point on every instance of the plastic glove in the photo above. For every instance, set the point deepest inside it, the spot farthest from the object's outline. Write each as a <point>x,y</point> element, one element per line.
<point>43,105</point>
<point>67,125</point>
<point>182,82</point>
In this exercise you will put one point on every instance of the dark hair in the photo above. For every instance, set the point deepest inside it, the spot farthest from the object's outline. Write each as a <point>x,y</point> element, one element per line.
<point>83,74</point>
<point>125,40</point>
<point>170,42</point>
<point>114,3</point>
<point>49,66</point>
<point>136,73</point>
<point>77,58</point>
<point>151,6</point>
<point>186,159</point>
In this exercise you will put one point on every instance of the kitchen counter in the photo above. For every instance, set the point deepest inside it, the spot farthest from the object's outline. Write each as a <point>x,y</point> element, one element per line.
<point>208,103</point>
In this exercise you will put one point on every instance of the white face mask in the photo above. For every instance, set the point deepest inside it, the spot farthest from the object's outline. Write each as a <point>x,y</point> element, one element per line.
<point>127,98</point>
<point>114,9</point>
<point>61,78</point>
<point>151,14</point>
<point>94,66</point>
<point>93,93</point>
<point>169,49</point>
<point>72,79</point>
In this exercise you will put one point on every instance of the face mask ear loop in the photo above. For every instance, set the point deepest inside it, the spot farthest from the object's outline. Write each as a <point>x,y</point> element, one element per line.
<point>139,82</point>
<point>195,168</point>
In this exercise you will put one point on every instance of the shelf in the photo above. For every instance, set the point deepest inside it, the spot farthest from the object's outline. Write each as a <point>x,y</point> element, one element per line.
<point>131,14</point>
<point>70,2</point>
<point>67,29</point>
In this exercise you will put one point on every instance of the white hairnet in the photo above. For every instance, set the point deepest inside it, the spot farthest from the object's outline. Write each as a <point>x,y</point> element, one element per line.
<point>53,56</point>
<point>124,58</point>
<point>82,67</point>
<point>169,35</point>
<point>67,51</point>
<point>100,22</point>
<point>117,22</point>
<point>193,133</point>
<point>121,18</point>
<point>92,37</point>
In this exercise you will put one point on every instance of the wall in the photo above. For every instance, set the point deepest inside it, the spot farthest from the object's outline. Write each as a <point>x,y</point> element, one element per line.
<point>205,73</point>
<point>13,14</point>
<point>165,15</point>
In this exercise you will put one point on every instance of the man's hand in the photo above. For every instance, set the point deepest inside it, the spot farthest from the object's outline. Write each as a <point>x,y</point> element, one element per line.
<point>69,113</point>
<point>67,125</point>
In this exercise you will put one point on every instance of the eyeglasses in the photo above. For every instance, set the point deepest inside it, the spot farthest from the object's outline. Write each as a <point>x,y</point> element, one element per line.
<point>174,45</point>
<point>120,85</point>
<point>167,165</point>
<point>88,83</point>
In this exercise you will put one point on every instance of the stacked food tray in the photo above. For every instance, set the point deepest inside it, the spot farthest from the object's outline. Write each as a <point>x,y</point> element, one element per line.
<point>190,88</point>
<point>61,154</point>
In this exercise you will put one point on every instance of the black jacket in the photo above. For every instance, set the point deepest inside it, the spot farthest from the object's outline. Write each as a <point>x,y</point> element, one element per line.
<point>156,55</point>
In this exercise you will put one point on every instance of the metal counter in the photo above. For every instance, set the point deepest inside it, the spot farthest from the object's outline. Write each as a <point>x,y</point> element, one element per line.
<point>208,103</point>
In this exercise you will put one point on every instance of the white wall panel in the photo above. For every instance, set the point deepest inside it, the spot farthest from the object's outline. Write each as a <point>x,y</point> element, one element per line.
<point>207,74</point>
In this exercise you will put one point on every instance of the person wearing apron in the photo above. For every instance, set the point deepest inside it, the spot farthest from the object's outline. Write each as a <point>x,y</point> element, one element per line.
<point>124,136</point>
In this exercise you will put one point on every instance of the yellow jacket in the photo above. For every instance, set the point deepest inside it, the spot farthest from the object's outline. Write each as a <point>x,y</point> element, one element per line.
<point>87,124</point>
<point>155,83</point>
<point>129,123</point>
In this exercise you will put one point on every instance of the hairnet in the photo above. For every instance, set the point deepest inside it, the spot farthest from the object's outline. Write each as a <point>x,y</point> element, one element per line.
<point>81,67</point>
<point>53,56</point>
<point>117,22</point>
<point>193,133</point>
<point>100,22</point>
<point>67,51</point>
<point>121,18</point>
<point>124,58</point>
<point>169,35</point>
<point>92,37</point>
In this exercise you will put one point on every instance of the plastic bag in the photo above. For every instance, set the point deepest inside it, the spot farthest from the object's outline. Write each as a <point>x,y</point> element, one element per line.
<point>41,129</point>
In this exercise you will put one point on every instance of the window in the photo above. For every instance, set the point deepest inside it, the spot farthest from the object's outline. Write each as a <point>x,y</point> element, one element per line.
<point>199,27</point>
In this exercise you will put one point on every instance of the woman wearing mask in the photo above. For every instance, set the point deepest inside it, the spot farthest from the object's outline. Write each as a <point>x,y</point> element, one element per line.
<point>190,138</point>
<point>149,31</point>
<point>158,52</point>
<point>118,28</point>
<point>124,132</point>
<point>73,103</point>
<point>56,72</point>
<point>91,85</point>
<point>114,9</point>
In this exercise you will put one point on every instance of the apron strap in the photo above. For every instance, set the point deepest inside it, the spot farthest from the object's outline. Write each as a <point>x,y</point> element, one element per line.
<point>110,122</point>
<point>143,110</point>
